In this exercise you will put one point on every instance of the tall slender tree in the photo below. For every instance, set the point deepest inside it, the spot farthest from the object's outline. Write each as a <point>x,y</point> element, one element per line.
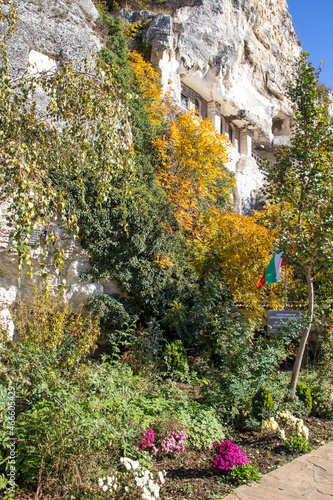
<point>301,180</point>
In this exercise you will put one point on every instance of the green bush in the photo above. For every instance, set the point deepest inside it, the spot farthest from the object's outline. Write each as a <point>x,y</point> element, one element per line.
<point>262,404</point>
<point>304,394</point>
<point>297,443</point>
<point>321,386</point>
<point>176,361</point>
<point>52,340</point>
<point>243,474</point>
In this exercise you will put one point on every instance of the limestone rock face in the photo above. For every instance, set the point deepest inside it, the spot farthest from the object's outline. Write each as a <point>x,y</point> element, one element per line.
<point>238,53</point>
<point>59,29</point>
<point>47,33</point>
<point>77,292</point>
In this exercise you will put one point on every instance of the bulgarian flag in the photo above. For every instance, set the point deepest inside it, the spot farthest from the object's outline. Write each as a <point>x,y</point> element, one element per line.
<point>273,271</point>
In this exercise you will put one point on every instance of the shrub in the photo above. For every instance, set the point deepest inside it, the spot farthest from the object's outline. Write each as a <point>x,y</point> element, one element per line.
<point>176,361</point>
<point>262,403</point>
<point>297,443</point>
<point>244,474</point>
<point>304,394</point>
<point>320,383</point>
<point>53,341</point>
<point>228,456</point>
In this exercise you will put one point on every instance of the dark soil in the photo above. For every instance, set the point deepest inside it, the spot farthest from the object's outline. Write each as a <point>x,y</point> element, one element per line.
<point>190,476</point>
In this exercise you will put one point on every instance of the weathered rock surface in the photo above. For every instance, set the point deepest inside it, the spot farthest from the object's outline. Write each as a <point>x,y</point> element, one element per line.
<point>238,53</point>
<point>48,32</point>
<point>76,263</point>
<point>59,29</point>
<point>235,56</point>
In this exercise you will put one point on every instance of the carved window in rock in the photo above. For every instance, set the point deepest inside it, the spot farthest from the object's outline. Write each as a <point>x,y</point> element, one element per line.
<point>237,139</point>
<point>191,100</point>
<point>223,126</point>
<point>229,131</point>
<point>185,101</point>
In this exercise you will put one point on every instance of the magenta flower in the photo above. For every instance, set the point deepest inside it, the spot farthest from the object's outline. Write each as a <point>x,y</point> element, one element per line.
<point>228,456</point>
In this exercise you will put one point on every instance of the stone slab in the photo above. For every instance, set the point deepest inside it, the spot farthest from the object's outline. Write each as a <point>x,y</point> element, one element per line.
<point>307,478</point>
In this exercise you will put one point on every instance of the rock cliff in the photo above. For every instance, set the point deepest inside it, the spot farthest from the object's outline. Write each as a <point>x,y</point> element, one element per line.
<point>59,29</point>
<point>238,53</point>
<point>48,32</point>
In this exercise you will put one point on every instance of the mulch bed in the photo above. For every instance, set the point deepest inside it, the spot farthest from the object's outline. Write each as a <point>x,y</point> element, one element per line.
<point>189,476</point>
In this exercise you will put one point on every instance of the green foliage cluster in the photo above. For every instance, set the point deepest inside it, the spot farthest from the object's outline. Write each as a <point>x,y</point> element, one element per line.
<point>52,340</point>
<point>262,404</point>
<point>243,474</point>
<point>304,394</point>
<point>320,382</point>
<point>297,443</point>
<point>176,361</point>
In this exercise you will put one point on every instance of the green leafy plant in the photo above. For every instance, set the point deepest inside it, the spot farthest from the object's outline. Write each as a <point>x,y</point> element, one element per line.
<point>297,443</point>
<point>320,382</point>
<point>304,394</point>
<point>176,361</point>
<point>51,340</point>
<point>244,474</point>
<point>262,403</point>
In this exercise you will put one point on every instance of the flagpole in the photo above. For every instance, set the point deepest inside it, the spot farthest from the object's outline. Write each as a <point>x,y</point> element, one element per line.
<point>285,287</point>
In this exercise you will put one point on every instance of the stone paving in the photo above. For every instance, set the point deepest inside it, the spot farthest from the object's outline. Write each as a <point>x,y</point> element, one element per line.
<point>308,477</point>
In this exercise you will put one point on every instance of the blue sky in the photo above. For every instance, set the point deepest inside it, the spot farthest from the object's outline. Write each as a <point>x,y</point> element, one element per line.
<point>313,22</point>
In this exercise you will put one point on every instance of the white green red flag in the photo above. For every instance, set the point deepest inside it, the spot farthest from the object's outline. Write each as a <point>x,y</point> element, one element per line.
<point>273,271</point>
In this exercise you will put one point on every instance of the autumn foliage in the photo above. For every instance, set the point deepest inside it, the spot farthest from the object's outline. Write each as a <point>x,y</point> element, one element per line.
<point>191,158</point>
<point>192,170</point>
<point>242,248</point>
<point>150,87</point>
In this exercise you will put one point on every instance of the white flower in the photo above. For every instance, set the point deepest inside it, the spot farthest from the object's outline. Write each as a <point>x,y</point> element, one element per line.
<point>115,486</point>
<point>100,482</point>
<point>157,491</point>
<point>151,485</point>
<point>105,488</point>
<point>140,481</point>
<point>282,434</point>
<point>135,464</point>
<point>305,432</point>
<point>126,489</point>
<point>161,477</point>
<point>110,480</point>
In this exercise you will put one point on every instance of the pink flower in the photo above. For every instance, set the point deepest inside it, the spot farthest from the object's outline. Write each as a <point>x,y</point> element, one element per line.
<point>228,456</point>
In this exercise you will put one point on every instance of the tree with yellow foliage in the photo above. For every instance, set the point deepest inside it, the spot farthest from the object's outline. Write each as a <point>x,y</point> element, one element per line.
<point>150,87</point>
<point>242,248</point>
<point>192,173</point>
<point>192,155</point>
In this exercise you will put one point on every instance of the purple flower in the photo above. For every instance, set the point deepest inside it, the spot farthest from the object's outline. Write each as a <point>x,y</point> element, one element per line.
<point>228,456</point>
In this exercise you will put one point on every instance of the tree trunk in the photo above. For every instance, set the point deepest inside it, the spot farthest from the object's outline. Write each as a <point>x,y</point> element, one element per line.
<point>305,334</point>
